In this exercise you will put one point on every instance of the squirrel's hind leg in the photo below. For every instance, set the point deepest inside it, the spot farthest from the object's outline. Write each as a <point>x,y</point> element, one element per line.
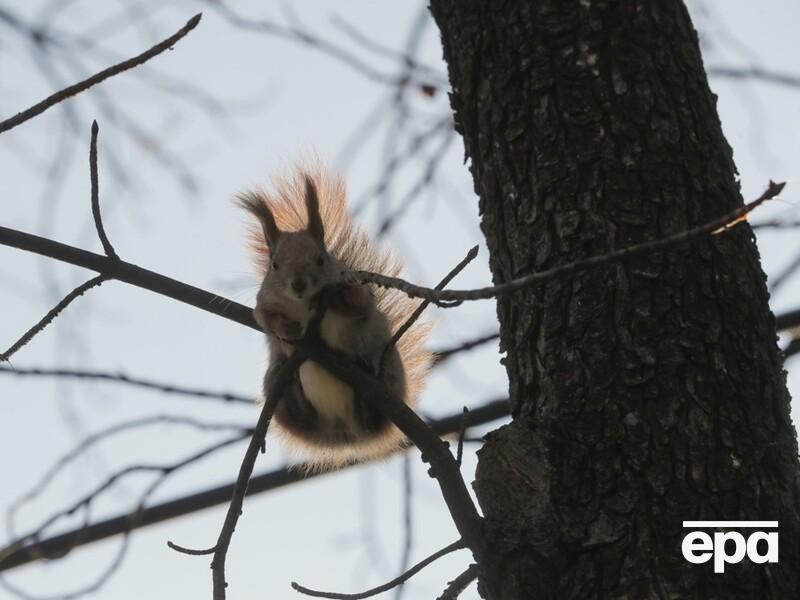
<point>293,410</point>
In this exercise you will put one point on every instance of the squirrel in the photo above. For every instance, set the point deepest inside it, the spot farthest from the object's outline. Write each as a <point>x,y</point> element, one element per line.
<point>302,240</point>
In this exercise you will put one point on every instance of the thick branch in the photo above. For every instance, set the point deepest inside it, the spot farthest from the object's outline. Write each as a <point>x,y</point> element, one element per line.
<point>129,273</point>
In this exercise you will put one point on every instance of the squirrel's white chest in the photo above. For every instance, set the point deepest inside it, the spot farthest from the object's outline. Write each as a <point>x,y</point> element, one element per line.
<point>330,397</point>
<point>334,329</point>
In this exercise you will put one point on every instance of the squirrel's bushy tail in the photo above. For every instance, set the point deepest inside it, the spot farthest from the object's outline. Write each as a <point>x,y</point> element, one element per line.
<point>349,243</point>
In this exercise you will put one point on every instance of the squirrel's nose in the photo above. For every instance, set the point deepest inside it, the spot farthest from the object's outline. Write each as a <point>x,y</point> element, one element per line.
<point>299,286</point>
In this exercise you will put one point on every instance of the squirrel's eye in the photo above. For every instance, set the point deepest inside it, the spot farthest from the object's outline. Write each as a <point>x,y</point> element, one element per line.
<point>320,261</point>
<point>275,265</point>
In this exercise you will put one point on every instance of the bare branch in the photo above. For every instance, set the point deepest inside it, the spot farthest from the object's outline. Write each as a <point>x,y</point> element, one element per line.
<point>459,584</point>
<point>441,355</point>
<point>408,521</point>
<point>392,168</point>
<point>98,219</point>
<point>81,289</point>
<point>52,314</point>
<point>85,590</point>
<point>755,73</point>
<point>462,431</point>
<point>473,252</point>
<point>190,551</point>
<point>299,33</point>
<point>386,586</point>
<point>424,180</point>
<point>779,279</point>
<point>776,225</point>
<point>167,388</point>
<point>67,92</point>
<point>410,62</point>
<point>282,377</point>
<point>442,297</point>
<point>129,273</point>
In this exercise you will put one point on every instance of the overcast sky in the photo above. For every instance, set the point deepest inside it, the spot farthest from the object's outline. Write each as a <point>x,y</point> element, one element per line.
<point>287,100</point>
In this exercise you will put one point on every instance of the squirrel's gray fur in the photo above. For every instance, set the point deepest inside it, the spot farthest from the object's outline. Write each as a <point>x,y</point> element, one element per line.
<point>305,239</point>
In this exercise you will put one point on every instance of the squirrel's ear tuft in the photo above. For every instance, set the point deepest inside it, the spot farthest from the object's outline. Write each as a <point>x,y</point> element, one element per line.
<point>256,205</point>
<point>315,227</point>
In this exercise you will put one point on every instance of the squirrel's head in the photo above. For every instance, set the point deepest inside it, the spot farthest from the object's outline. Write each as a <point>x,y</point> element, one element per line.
<point>299,265</point>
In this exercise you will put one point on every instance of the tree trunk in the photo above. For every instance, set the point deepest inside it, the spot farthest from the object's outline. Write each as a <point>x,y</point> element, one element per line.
<point>644,393</point>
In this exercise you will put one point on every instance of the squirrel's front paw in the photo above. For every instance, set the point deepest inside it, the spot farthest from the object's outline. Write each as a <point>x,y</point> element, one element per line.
<point>351,298</point>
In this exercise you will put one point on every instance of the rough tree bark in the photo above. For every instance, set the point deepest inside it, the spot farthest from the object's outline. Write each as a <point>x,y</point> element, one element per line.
<point>646,393</point>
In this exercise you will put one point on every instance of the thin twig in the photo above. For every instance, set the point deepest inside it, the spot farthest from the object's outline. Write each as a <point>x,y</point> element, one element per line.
<point>473,252</point>
<point>191,551</point>
<point>776,225</point>
<point>67,92</point>
<point>98,219</point>
<point>167,388</point>
<point>756,73</point>
<point>461,433</point>
<point>393,166</point>
<point>386,586</point>
<point>774,283</point>
<point>445,297</point>
<point>299,33</point>
<point>274,393</point>
<point>459,584</point>
<point>425,179</point>
<point>52,314</point>
<point>441,355</point>
<point>412,64</point>
<point>408,521</point>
